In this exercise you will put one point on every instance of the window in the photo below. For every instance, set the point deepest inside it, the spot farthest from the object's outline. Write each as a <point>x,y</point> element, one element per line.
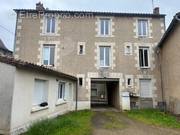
<point>50,25</point>
<point>105,56</point>
<point>94,93</point>
<point>105,27</point>
<point>61,91</point>
<point>144,57</point>
<point>142,27</point>
<point>40,92</point>
<point>80,81</point>
<point>129,82</point>
<point>81,48</point>
<point>48,54</point>
<point>145,88</point>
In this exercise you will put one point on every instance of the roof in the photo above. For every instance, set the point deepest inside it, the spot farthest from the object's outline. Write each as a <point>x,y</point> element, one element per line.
<point>95,13</point>
<point>3,47</point>
<point>170,29</point>
<point>31,66</point>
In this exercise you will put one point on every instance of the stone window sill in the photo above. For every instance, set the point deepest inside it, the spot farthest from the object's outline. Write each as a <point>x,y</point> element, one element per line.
<point>38,108</point>
<point>60,102</point>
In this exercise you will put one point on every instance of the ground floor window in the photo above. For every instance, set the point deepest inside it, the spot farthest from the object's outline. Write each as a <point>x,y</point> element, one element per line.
<point>40,94</point>
<point>61,91</point>
<point>145,88</point>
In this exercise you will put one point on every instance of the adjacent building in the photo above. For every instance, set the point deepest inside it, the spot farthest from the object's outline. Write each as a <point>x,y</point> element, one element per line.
<point>109,53</point>
<point>29,92</point>
<point>4,50</point>
<point>169,48</point>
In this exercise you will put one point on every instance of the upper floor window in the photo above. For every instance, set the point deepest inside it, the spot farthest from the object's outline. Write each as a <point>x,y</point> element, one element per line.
<point>142,27</point>
<point>105,56</point>
<point>40,93</point>
<point>48,54</point>
<point>144,57</point>
<point>128,49</point>
<point>105,27</point>
<point>50,25</point>
<point>81,48</point>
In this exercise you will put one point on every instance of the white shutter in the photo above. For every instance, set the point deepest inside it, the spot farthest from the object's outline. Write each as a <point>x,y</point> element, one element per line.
<point>40,94</point>
<point>145,88</point>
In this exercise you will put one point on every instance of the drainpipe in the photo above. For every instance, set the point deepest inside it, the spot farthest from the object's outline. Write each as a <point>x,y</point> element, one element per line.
<point>76,95</point>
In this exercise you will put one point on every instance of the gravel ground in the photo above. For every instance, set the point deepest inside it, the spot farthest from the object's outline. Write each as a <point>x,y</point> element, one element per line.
<point>128,126</point>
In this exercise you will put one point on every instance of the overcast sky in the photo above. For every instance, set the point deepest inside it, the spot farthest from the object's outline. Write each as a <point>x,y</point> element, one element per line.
<point>8,17</point>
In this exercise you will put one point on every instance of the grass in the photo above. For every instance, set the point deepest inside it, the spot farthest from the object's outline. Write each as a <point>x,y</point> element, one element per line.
<point>154,117</point>
<point>113,121</point>
<point>74,123</point>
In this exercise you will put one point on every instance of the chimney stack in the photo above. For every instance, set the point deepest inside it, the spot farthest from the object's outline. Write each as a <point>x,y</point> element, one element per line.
<point>39,6</point>
<point>156,11</point>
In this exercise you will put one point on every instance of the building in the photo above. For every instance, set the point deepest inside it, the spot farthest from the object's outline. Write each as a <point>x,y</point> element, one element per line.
<point>4,50</point>
<point>109,53</point>
<point>29,92</point>
<point>169,58</point>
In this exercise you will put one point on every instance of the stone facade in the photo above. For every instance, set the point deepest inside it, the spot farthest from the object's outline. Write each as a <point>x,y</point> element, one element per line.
<point>72,31</point>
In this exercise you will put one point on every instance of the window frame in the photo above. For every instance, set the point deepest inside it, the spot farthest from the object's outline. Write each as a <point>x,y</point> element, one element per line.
<point>45,92</point>
<point>59,98</point>
<point>104,56</point>
<point>102,32</point>
<point>143,59</point>
<point>51,25</point>
<point>49,46</point>
<point>141,32</point>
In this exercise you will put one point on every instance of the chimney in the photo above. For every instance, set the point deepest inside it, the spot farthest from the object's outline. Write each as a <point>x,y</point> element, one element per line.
<point>156,10</point>
<point>39,6</point>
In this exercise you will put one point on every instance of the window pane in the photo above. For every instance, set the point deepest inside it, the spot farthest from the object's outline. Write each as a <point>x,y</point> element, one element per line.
<point>53,25</point>
<point>146,58</point>
<point>46,55</point>
<point>101,56</point>
<point>102,27</point>
<point>81,49</point>
<point>106,27</point>
<point>52,55</point>
<point>48,25</point>
<point>139,28</point>
<point>144,26</point>
<point>61,90</point>
<point>107,50</point>
<point>141,57</point>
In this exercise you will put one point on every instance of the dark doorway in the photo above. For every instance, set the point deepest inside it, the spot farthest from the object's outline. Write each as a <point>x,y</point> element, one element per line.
<point>105,93</point>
